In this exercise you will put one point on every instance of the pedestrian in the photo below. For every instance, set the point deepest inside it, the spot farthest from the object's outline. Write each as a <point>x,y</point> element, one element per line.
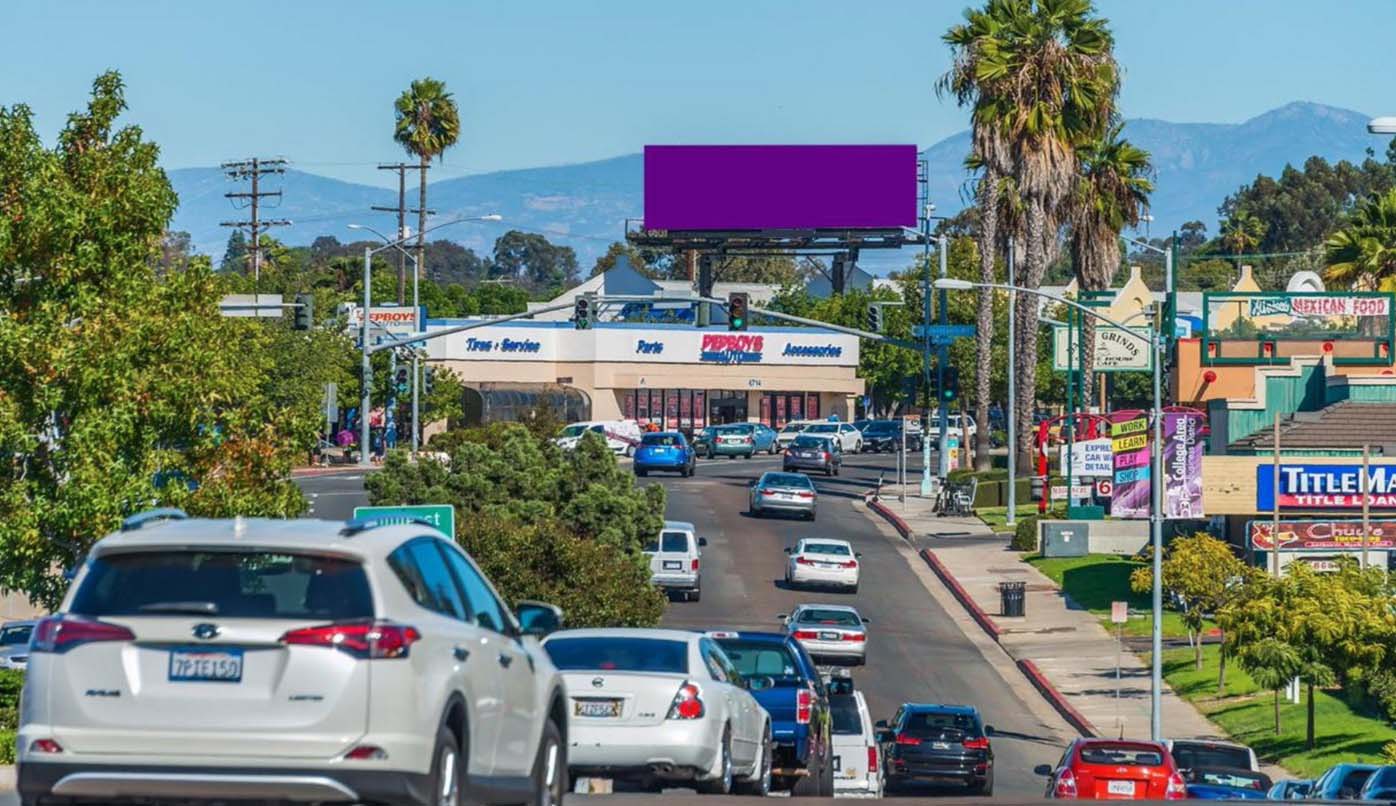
<point>375,438</point>
<point>390,433</point>
<point>345,440</point>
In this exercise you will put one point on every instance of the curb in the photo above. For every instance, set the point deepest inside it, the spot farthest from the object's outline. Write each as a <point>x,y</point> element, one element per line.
<point>891,517</point>
<point>961,595</point>
<point>1057,699</point>
<point>313,472</point>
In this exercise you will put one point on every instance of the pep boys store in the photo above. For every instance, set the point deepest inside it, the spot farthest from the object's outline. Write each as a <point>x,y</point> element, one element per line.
<point>674,376</point>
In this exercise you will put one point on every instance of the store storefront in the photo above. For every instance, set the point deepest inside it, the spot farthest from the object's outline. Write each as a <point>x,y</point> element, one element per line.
<point>674,377</point>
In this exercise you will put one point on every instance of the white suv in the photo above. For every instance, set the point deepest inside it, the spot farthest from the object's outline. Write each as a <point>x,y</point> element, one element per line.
<point>290,660</point>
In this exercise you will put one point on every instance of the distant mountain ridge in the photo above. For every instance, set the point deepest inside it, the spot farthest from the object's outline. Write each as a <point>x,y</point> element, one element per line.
<point>585,205</point>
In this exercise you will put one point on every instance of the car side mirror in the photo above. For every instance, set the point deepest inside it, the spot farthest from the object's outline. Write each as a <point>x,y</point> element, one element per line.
<point>786,549</point>
<point>782,617</point>
<point>884,735</point>
<point>988,730</point>
<point>857,554</point>
<point>702,542</point>
<point>867,620</point>
<point>881,724</point>
<point>538,618</point>
<point>1044,770</point>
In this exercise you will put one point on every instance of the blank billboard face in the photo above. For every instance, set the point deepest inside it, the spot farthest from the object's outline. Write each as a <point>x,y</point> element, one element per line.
<point>780,187</point>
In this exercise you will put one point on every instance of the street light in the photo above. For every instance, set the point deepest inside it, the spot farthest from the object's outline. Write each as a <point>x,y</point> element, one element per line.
<point>1155,338</point>
<point>1382,125</point>
<point>366,370</point>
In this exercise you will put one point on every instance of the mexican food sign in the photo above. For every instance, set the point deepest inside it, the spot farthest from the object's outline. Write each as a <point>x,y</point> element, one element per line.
<point>1322,535</point>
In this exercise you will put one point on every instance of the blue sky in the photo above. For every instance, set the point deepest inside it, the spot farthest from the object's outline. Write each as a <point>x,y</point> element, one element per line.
<point>553,81</point>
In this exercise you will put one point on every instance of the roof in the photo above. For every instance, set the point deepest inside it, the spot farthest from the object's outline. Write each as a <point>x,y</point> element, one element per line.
<point>275,533</point>
<point>922,707</point>
<point>845,608</point>
<point>830,540</point>
<point>748,635</point>
<point>680,525</point>
<point>1345,425</point>
<point>627,632</point>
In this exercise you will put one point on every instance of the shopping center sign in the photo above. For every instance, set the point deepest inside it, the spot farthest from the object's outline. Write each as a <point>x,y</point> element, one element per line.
<point>1321,486</point>
<point>1325,535</point>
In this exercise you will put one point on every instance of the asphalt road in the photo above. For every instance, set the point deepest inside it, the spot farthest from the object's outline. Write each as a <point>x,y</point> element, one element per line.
<point>333,496</point>
<point>916,652</point>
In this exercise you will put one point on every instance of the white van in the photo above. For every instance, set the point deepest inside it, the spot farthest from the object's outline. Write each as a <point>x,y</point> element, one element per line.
<point>676,556</point>
<point>622,436</point>
<point>857,767</point>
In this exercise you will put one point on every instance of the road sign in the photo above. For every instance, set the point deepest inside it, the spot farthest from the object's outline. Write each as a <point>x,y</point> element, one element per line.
<point>943,334</point>
<point>1119,612</point>
<point>443,516</point>
<point>1104,487</point>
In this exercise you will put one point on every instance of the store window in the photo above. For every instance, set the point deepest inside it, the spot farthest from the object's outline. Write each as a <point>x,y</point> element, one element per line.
<point>812,407</point>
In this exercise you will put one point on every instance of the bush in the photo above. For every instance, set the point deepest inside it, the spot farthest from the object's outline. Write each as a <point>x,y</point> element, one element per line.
<point>1025,536</point>
<point>11,681</point>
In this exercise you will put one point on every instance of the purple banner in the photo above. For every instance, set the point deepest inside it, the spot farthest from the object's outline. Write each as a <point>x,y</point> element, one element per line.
<point>1129,443</point>
<point>780,187</point>
<point>1182,465</point>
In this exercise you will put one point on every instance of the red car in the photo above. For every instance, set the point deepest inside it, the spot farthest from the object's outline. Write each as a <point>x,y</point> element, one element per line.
<point>1110,769</point>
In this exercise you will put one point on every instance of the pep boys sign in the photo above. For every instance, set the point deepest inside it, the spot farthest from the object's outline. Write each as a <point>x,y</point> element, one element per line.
<point>731,348</point>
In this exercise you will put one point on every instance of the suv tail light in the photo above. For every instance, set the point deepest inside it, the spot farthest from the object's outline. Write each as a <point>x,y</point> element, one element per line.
<point>805,494</point>
<point>849,564</point>
<point>804,706</point>
<point>902,738</point>
<point>768,492</point>
<point>695,564</point>
<point>982,743</point>
<point>64,632</point>
<point>373,640</point>
<point>805,635</point>
<point>1066,785</point>
<point>45,746</point>
<point>1177,787</point>
<point>804,561</point>
<point>857,636</point>
<point>687,703</point>
<point>826,456</point>
<point>872,759</point>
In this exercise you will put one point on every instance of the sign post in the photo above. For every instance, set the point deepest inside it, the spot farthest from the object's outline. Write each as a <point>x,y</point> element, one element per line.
<point>1119,614</point>
<point>442,516</point>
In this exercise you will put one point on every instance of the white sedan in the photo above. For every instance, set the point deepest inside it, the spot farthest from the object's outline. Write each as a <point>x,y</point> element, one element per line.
<point>660,706</point>
<point>829,632</point>
<point>850,439</point>
<point>817,562</point>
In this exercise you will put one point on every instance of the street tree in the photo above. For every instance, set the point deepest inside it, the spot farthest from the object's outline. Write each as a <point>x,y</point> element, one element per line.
<point>426,123</point>
<point>533,260</point>
<point>1203,573</point>
<point>1361,253</point>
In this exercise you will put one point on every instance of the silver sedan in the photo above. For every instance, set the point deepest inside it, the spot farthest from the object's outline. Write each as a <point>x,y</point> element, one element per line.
<point>783,492</point>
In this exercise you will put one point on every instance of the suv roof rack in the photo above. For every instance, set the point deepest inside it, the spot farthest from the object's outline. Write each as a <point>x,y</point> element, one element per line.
<point>355,526</point>
<point>141,519</point>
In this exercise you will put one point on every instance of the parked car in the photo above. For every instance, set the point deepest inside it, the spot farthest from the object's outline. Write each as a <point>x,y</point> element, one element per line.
<point>822,562</point>
<point>829,632</point>
<point>740,439</point>
<point>1341,782</point>
<point>783,492</point>
<point>857,759</point>
<point>14,644</point>
<point>810,452</point>
<point>661,706</point>
<point>703,439</point>
<point>936,742</point>
<point>861,424</point>
<point>296,660</point>
<point>1223,783</point>
<point>847,437</point>
<point>785,681</point>
<point>1114,769</point>
<point>1208,753</point>
<point>1289,790</point>
<point>886,435</point>
<point>789,431</point>
<point>622,436</point>
<point>955,424</point>
<point>1381,785</point>
<point>665,450</point>
<point>676,560</point>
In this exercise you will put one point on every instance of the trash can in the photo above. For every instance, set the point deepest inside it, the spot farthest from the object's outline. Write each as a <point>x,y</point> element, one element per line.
<point>1011,597</point>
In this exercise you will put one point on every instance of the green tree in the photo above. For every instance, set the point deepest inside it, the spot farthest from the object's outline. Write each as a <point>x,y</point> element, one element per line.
<point>1361,254</point>
<point>532,259</point>
<point>1203,572</point>
<point>426,123</point>
<point>1242,233</point>
<point>235,254</point>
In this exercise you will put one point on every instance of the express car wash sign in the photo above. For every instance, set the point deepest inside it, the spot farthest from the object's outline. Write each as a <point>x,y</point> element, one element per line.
<point>1317,486</point>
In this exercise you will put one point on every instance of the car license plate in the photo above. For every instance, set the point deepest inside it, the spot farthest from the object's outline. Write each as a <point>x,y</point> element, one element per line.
<point>838,763</point>
<point>673,565</point>
<point>1120,788</point>
<point>940,745</point>
<point>205,666</point>
<point>604,709</point>
<point>828,636</point>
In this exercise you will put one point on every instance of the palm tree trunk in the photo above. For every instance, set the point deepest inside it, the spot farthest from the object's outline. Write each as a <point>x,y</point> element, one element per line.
<point>1027,323</point>
<point>422,217</point>
<point>984,319</point>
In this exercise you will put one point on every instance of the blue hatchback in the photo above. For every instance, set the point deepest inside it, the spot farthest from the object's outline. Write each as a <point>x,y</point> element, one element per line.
<point>665,450</point>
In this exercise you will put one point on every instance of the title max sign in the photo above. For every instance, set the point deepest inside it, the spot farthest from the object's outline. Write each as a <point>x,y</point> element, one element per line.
<point>1305,486</point>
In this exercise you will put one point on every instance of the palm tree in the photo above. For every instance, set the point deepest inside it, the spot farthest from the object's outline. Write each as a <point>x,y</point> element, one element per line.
<point>1047,77</point>
<point>1362,253</point>
<point>1112,192</point>
<point>428,123</point>
<point>1242,232</point>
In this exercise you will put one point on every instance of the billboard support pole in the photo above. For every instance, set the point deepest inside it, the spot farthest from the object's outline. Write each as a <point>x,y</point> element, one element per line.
<point>943,357</point>
<point>1156,527</point>
<point>1275,502</point>
<point>1366,502</point>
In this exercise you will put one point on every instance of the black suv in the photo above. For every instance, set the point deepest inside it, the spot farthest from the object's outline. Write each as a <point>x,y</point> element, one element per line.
<point>886,435</point>
<point>936,742</point>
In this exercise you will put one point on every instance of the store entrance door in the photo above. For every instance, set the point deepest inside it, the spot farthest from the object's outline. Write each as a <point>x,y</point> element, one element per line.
<point>726,407</point>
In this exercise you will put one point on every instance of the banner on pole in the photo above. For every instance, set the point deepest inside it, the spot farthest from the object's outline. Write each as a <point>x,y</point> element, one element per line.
<point>1091,458</point>
<point>1130,446</point>
<point>1182,465</point>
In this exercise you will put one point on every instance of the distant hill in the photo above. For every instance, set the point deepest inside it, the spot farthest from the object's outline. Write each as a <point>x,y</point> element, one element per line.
<point>585,205</point>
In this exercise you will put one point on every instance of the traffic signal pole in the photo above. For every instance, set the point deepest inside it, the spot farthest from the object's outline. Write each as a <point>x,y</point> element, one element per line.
<point>942,358</point>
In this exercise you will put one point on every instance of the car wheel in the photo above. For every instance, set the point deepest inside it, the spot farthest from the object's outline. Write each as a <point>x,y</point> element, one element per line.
<point>786,469</point>
<point>550,768</point>
<point>984,788</point>
<point>722,784</point>
<point>629,451</point>
<point>811,516</point>
<point>772,449</point>
<point>695,595</point>
<point>642,473</point>
<point>807,786</point>
<point>747,456</point>
<point>826,780</point>
<point>446,769</point>
<point>853,589</point>
<point>712,454</point>
<point>759,784</point>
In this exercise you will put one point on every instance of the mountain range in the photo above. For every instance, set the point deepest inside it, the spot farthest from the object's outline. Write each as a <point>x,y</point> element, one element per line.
<point>585,205</point>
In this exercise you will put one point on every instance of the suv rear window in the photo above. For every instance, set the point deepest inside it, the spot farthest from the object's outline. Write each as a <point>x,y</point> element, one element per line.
<point>230,584</point>
<point>675,541</point>
<point>940,725</point>
<point>619,654</point>
<point>1124,755</point>
<point>17,634</point>
<point>762,659</point>
<point>661,439</point>
<point>1203,756</point>
<point>843,709</point>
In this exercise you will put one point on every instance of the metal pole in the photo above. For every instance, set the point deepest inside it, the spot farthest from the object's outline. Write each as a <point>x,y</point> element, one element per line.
<point>1011,515</point>
<point>1275,502</point>
<point>1366,502</point>
<point>366,370</point>
<point>1069,425</point>
<point>1156,526</point>
<point>926,358</point>
<point>421,327</point>
<point>942,357</point>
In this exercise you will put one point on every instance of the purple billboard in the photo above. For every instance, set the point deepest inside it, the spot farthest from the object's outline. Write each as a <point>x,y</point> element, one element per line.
<point>780,187</point>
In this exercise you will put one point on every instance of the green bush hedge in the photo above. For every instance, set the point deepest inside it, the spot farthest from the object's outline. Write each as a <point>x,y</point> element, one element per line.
<point>11,681</point>
<point>1025,537</point>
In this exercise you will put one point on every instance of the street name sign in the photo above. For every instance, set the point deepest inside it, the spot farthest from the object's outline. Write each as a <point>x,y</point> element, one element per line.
<point>442,516</point>
<point>943,334</point>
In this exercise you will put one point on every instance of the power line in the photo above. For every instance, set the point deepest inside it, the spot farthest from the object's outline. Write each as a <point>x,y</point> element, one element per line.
<point>254,169</point>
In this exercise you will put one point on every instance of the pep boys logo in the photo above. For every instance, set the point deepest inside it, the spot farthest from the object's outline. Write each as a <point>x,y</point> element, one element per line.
<point>731,348</point>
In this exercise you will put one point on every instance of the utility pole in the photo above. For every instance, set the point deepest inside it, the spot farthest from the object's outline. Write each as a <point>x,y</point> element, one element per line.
<point>401,210</point>
<point>253,169</point>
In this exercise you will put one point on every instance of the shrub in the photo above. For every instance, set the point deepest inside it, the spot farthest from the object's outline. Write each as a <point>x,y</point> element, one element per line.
<point>1025,537</point>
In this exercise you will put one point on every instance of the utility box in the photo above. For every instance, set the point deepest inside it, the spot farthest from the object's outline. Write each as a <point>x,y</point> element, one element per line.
<point>1064,538</point>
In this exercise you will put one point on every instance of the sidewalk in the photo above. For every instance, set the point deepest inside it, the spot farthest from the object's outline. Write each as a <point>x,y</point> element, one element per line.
<point>1074,653</point>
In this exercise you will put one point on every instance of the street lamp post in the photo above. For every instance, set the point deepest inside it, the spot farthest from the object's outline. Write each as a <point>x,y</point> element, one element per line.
<point>1155,338</point>
<point>366,369</point>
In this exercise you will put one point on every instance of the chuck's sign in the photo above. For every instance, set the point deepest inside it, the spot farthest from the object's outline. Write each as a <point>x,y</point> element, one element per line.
<point>1306,486</point>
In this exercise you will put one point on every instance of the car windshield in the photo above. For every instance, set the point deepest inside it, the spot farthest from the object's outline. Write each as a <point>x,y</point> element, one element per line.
<point>574,431</point>
<point>669,440</point>
<point>822,428</point>
<point>787,480</point>
<point>229,584</point>
<point>1202,755</point>
<point>843,710</point>
<point>18,634</point>
<point>1239,779</point>
<point>735,429</point>
<point>613,654</point>
<point>827,548</point>
<point>792,427</point>
<point>940,724</point>
<point>762,659</point>
<point>819,615</point>
<point>812,443</point>
<point>1129,755</point>
<point>1354,780</point>
<point>881,427</point>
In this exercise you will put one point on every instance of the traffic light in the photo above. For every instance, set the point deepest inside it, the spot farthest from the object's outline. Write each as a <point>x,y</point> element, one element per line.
<point>950,390</point>
<point>304,315</point>
<point>737,310</point>
<point>428,381</point>
<point>584,312</point>
<point>875,318</point>
<point>401,380</point>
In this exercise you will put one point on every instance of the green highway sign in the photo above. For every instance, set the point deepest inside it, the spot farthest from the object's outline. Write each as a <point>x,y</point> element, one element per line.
<point>442,516</point>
